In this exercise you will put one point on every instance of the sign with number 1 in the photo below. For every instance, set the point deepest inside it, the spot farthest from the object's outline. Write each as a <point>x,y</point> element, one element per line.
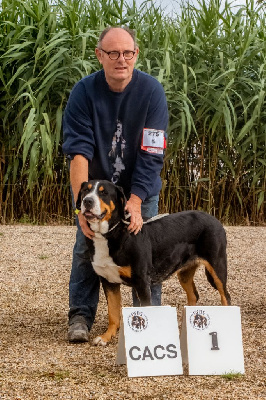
<point>211,340</point>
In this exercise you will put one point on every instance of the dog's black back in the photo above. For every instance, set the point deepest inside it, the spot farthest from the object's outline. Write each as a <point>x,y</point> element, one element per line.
<point>177,242</point>
<point>168,244</point>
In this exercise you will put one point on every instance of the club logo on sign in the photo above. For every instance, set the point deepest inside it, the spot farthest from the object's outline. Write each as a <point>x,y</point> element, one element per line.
<point>199,320</point>
<point>137,321</point>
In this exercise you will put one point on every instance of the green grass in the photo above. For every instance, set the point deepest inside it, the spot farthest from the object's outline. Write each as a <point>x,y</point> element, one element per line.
<point>43,257</point>
<point>232,376</point>
<point>56,375</point>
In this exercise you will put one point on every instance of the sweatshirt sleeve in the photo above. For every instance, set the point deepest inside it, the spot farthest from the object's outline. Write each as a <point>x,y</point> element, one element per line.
<point>78,132</point>
<point>148,166</point>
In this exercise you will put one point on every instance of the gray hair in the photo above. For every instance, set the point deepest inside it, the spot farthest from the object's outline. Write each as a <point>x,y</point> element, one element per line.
<point>131,32</point>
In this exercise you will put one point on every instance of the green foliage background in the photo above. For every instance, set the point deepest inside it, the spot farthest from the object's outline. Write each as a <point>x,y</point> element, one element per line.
<point>211,62</point>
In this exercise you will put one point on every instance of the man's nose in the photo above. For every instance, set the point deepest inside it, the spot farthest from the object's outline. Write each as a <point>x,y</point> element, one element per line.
<point>121,55</point>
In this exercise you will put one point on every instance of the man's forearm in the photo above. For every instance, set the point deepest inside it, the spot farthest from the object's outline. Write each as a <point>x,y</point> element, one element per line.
<point>79,173</point>
<point>133,206</point>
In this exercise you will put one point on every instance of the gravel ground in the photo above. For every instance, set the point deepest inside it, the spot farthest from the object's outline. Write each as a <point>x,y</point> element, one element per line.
<point>36,360</point>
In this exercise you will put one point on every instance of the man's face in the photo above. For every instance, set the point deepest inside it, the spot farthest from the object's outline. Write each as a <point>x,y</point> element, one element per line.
<point>118,73</point>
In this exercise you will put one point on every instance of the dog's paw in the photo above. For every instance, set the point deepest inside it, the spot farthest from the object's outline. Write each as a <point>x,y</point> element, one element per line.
<point>98,341</point>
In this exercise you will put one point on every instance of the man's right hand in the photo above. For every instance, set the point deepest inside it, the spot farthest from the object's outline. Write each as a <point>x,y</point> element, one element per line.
<point>85,226</point>
<point>79,168</point>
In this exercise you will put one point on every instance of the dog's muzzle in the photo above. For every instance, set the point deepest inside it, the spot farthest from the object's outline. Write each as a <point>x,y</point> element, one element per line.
<point>88,212</point>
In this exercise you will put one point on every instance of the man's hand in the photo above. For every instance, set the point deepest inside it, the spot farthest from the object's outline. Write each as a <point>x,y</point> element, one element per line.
<point>79,168</point>
<point>133,207</point>
<point>85,227</point>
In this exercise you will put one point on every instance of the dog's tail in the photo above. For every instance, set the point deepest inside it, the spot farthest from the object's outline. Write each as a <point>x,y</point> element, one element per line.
<point>210,279</point>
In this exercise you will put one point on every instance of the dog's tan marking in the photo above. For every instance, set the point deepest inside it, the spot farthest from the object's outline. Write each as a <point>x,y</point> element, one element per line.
<point>89,186</point>
<point>125,272</point>
<point>185,276</point>
<point>112,206</point>
<point>217,282</point>
<point>101,189</point>
<point>106,207</point>
<point>113,297</point>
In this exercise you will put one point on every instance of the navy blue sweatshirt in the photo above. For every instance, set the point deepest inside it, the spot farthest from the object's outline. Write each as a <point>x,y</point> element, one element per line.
<point>106,127</point>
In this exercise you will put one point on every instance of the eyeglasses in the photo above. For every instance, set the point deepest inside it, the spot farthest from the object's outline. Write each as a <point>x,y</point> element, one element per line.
<point>114,55</point>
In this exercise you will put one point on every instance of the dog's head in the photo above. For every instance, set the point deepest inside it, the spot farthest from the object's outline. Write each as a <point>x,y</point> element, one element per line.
<point>102,203</point>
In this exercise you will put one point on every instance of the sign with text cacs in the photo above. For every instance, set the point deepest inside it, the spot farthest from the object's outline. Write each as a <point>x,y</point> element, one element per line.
<point>149,341</point>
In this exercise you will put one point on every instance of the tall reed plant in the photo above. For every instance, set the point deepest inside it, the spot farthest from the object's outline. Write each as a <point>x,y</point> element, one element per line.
<point>216,96</point>
<point>211,62</point>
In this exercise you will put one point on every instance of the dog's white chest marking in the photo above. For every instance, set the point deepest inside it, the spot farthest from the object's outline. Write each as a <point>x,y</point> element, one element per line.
<point>100,226</point>
<point>102,263</point>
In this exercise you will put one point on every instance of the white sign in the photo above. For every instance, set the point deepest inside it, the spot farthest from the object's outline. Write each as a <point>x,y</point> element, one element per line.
<point>211,340</point>
<point>149,341</point>
<point>153,138</point>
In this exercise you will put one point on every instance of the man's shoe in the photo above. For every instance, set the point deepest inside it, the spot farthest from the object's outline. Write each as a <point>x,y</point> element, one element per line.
<point>78,332</point>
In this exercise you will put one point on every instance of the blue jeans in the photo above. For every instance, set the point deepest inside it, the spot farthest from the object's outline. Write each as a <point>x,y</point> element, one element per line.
<point>84,283</point>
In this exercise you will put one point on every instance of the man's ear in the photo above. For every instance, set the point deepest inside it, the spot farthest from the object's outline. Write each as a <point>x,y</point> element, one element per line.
<point>78,202</point>
<point>98,53</point>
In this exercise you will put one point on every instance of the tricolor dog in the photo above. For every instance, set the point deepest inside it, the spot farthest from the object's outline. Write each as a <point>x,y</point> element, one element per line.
<point>179,242</point>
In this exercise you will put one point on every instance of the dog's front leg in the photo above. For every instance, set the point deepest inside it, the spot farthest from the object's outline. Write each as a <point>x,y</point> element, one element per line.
<point>113,297</point>
<point>143,292</point>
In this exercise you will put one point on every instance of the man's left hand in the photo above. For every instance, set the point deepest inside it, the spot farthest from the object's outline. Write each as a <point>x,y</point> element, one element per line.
<point>133,207</point>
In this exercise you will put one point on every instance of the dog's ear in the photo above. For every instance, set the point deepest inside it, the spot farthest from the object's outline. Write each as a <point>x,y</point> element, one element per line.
<point>121,196</point>
<point>78,202</point>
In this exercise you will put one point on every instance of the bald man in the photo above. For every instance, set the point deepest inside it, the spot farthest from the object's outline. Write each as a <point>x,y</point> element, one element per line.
<point>108,117</point>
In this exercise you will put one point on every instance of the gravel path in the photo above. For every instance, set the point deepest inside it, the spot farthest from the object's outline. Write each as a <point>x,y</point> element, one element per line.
<point>36,360</point>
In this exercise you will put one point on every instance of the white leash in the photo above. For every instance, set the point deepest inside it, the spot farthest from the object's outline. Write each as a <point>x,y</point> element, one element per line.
<point>159,216</point>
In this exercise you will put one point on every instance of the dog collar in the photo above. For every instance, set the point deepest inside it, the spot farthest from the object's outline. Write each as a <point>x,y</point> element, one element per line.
<point>113,227</point>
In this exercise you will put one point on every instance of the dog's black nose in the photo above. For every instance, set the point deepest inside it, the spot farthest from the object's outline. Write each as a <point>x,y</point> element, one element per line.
<point>88,202</point>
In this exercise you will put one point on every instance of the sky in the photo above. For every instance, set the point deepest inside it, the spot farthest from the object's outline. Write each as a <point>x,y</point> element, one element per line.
<point>173,5</point>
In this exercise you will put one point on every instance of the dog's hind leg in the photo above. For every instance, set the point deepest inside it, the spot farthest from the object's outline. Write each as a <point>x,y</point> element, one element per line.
<point>185,276</point>
<point>218,282</point>
<point>113,297</point>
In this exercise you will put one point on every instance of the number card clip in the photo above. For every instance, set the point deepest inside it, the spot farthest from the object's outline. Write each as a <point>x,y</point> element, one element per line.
<point>153,141</point>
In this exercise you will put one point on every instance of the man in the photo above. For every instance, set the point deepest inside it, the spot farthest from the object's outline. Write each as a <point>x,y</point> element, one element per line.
<point>114,126</point>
